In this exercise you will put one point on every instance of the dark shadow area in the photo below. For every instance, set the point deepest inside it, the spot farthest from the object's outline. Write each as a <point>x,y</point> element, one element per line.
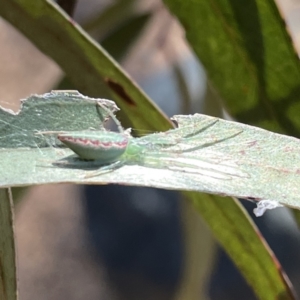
<point>137,236</point>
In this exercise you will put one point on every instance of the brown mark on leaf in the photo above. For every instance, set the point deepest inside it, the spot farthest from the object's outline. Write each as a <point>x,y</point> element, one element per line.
<point>252,143</point>
<point>119,90</point>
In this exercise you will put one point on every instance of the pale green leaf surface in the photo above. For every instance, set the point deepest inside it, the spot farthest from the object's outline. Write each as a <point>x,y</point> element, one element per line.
<point>55,111</point>
<point>233,159</point>
<point>8,274</point>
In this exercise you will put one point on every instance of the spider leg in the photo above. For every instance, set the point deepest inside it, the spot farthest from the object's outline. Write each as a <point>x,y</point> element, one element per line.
<point>165,140</point>
<point>181,131</point>
<point>208,144</point>
<point>192,134</point>
<point>106,169</point>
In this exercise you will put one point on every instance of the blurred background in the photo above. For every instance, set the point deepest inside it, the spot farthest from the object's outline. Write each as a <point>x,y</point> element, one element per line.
<point>116,242</point>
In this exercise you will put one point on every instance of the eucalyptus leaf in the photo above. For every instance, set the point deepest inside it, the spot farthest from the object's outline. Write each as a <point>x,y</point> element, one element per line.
<point>203,154</point>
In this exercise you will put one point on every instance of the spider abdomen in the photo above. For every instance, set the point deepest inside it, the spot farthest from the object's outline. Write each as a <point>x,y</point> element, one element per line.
<point>106,147</point>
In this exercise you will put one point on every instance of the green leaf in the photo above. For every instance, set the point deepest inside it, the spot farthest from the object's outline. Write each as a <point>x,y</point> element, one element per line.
<point>222,157</point>
<point>248,56</point>
<point>116,27</point>
<point>245,245</point>
<point>8,274</point>
<point>117,43</point>
<point>84,61</point>
<point>235,157</point>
